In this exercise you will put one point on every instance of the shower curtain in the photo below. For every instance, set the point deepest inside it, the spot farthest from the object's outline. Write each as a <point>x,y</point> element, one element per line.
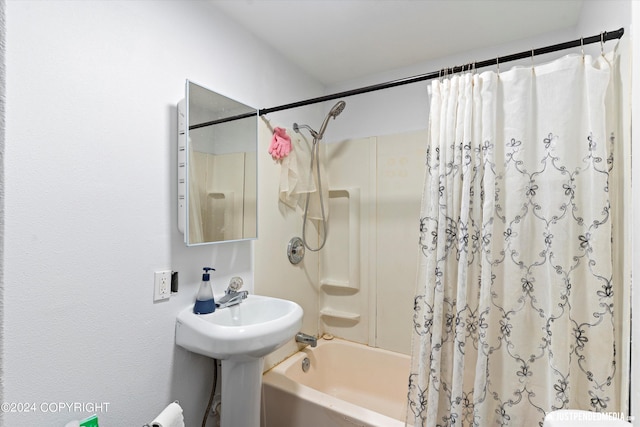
<point>518,304</point>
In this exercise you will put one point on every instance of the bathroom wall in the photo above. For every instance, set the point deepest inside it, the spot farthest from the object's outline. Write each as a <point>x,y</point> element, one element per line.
<point>89,192</point>
<point>90,200</point>
<point>406,108</point>
<point>277,224</point>
<point>2,145</point>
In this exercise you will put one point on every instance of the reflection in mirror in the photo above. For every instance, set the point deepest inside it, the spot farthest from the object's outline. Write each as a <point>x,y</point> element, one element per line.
<point>221,165</point>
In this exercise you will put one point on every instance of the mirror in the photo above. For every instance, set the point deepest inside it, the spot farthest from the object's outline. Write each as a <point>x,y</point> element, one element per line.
<point>217,165</point>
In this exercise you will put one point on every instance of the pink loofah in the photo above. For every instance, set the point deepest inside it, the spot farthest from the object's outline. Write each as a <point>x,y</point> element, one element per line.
<point>280,145</point>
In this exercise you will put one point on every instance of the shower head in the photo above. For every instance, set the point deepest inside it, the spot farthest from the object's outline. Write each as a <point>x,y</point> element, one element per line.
<point>334,112</point>
<point>337,109</point>
<point>296,129</point>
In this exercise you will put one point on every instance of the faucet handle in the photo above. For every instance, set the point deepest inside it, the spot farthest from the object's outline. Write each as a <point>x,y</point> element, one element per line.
<point>235,283</point>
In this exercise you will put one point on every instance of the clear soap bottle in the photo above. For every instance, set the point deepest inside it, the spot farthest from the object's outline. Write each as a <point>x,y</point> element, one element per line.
<point>205,303</point>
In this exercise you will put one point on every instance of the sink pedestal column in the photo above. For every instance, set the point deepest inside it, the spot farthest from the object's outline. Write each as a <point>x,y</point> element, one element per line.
<point>241,392</point>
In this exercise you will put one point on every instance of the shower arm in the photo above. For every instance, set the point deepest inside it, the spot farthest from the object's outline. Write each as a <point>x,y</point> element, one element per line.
<point>314,134</point>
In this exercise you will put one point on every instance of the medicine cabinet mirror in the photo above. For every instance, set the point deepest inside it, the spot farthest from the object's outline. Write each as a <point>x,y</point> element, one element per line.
<point>217,165</point>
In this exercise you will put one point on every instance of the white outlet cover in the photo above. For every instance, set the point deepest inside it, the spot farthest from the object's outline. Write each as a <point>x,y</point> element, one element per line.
<point>162,285</point>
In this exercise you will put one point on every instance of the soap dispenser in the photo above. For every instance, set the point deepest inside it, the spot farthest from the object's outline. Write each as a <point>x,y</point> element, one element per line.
<point>205,303</point>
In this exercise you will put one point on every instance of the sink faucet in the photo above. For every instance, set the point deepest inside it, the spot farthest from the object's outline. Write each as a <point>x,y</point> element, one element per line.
<point>232,296</point>
<point>306,339</point>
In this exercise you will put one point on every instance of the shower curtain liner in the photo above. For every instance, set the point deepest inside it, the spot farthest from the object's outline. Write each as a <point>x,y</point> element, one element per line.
<point>518,306</point>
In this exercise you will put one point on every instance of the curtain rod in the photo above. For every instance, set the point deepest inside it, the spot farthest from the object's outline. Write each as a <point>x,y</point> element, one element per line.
<point>600,38</point>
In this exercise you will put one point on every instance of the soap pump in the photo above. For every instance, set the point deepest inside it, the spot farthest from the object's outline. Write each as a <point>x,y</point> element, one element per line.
<point>205,303</point>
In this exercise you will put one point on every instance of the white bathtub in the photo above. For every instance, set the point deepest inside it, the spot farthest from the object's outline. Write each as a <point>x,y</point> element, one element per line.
<point>347,385</point>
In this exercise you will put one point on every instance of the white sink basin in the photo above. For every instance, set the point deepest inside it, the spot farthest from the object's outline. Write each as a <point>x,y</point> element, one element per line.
<point>252,329</point>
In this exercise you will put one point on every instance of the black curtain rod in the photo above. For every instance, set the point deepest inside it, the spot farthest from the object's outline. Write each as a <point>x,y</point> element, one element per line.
<point>600,38</point>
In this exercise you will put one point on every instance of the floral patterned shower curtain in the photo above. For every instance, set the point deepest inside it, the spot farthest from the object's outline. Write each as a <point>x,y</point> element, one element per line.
<point>517,309</point>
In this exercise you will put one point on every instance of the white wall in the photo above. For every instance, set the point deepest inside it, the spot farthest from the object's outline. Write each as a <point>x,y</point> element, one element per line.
<point>90,199</point>
<point>406,108</point>
<point>2,145</point>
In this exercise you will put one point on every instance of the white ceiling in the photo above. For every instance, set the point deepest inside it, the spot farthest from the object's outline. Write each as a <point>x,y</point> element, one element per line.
<point>338,40</point>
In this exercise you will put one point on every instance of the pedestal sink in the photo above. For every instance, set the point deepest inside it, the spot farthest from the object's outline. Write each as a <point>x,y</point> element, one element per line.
<point>240,335</point>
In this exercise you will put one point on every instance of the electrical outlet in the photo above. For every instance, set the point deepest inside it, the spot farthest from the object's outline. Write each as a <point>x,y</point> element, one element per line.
<point>162,285</point>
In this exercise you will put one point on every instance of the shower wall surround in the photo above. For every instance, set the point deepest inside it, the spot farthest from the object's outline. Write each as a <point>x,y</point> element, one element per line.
<point>361,285</point>
<point>367,270</point>
<point>345,273</point>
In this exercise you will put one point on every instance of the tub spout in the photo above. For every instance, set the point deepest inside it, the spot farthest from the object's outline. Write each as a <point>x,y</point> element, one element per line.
<point>306,339</point>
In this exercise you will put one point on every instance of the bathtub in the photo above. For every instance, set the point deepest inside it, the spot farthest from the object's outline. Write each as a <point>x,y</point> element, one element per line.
<point>347,385</point>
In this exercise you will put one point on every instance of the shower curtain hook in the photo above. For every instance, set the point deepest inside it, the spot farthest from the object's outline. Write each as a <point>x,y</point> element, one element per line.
<point>498,64</point>
<point>602,44</point>
<point>582,47</point>
<point>533,53</point>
